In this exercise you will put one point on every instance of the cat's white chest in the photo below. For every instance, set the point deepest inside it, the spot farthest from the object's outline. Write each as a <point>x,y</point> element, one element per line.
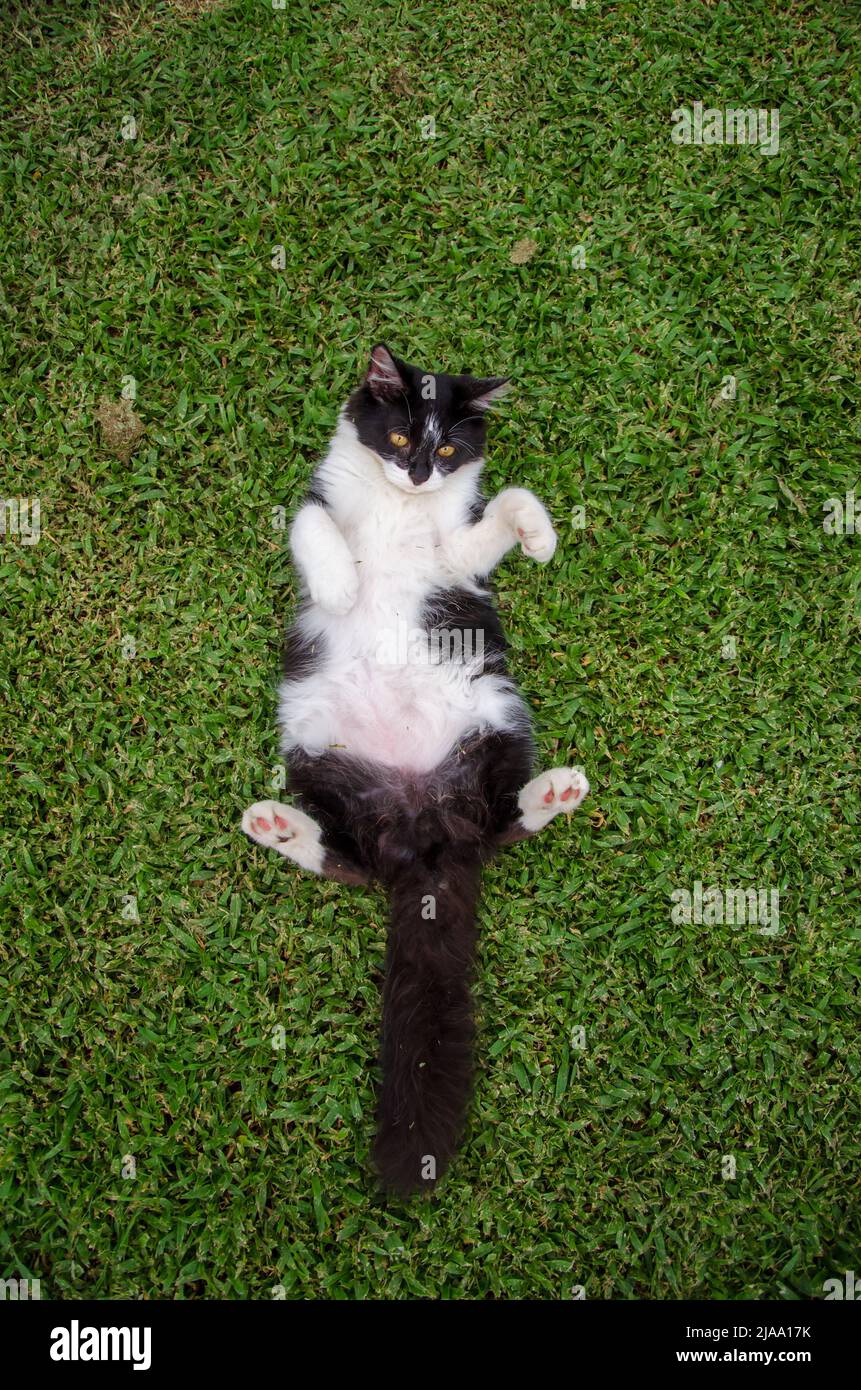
<point>398,555</point>
<point>373,694</point>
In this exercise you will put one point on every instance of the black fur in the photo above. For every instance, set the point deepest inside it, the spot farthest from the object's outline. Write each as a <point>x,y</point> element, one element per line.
<point>400,398</point>
<point>422,836</point>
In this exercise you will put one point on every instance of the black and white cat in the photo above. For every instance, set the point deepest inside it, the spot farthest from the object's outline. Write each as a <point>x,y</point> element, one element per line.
<point>407,743</point>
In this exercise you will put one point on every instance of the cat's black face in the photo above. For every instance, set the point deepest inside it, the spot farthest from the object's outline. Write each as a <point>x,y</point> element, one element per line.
<point>421,425</point>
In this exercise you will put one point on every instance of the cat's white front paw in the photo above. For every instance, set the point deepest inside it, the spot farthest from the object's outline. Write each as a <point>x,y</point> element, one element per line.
<point>287,830</point>
<point>530,523</point>
<point>559,789</point>
<point>336,589</point>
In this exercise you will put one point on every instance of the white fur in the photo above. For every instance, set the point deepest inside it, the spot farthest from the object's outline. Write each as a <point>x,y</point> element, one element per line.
<point>558,789</point>
<point>432,430</point>
<point>369,564</point>
<point>287,830</point>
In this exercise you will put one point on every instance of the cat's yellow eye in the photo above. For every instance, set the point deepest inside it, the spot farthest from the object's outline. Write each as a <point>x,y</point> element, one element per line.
<point>445,451</point>
<point>400,441</point>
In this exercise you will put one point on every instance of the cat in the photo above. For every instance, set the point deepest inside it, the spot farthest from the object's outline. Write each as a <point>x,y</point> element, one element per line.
<point>412,764</point>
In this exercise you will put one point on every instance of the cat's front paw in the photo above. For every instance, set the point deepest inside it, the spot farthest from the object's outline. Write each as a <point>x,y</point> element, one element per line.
<point>336,589</point>
<point>530,524</point>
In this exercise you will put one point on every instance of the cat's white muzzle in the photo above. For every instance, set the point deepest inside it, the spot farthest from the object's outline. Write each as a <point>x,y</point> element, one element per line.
<point>400,479</point>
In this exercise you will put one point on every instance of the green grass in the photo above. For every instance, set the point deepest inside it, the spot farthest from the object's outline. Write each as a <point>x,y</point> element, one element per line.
<point>602,1166</point>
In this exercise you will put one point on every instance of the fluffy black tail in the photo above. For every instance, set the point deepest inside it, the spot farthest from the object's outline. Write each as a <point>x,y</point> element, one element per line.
<point>427,1020</point>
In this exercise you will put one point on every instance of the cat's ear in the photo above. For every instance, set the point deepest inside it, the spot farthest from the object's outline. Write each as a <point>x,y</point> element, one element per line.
<point>484,393</point>
<point>384,380</point>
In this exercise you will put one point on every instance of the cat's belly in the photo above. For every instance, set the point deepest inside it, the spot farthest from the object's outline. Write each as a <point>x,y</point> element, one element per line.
<point>405,716</point>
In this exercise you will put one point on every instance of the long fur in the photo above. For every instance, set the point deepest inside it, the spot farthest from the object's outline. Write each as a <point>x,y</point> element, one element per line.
<point>411,769</point>
<point>423,837</point>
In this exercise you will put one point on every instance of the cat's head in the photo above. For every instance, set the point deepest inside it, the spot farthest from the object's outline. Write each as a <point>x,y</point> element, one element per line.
<point>422,426</point>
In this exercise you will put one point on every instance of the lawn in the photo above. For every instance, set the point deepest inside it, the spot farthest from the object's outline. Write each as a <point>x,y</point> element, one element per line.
<point>217,209</point>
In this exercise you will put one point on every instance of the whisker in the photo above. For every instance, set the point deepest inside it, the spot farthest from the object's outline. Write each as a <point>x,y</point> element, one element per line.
<point>463,444</point>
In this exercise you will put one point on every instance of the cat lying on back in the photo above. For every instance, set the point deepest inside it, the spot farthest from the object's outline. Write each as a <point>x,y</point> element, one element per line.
<point>408,745</point>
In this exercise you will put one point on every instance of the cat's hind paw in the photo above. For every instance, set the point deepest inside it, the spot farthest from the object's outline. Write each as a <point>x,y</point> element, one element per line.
<point>561,789</point>
<point>287,830</point>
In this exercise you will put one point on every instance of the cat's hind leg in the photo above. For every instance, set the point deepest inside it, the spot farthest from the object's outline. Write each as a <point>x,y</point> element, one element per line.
<point>297,836</point>
<point>559,790</point>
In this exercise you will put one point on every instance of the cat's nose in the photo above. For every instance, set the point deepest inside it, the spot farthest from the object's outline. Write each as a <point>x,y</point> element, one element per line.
<point>420,474</point>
